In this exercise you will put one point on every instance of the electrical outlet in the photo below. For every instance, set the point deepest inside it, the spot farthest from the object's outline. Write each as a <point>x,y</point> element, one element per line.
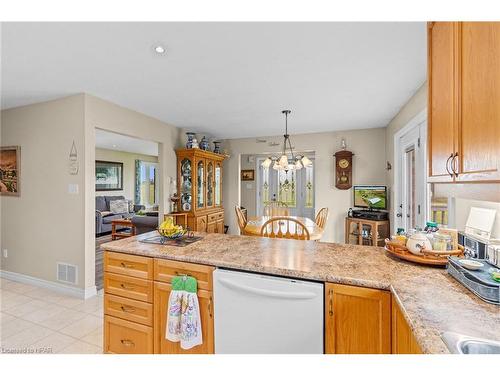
<point>5,253</point>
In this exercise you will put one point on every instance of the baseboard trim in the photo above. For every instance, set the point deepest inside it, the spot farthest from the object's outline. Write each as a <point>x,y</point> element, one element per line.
<point>51,285</point>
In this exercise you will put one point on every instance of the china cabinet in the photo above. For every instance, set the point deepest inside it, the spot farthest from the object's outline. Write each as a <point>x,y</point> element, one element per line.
<point>200,189</point>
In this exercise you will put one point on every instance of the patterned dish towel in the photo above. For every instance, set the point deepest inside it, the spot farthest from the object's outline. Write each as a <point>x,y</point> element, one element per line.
<point>183,319</point>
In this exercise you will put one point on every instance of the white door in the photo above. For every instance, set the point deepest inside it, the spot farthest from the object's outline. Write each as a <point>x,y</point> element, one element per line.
<point>411,186</point>
<point>294,188</point>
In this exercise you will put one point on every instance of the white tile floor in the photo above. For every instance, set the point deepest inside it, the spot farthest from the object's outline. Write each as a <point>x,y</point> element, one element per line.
<point>36,319</point>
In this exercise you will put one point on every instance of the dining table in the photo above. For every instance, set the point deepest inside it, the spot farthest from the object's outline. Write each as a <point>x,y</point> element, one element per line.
<point>255,224</point>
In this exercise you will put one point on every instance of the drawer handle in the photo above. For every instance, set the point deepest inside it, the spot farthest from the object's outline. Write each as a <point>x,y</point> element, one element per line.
<point>330,303</point>
<point>181,274</point>
<point>127,342</point>
<point>127,287</point>
<point>127,309</point>
<point>210,307</point>
<point>126,265</point>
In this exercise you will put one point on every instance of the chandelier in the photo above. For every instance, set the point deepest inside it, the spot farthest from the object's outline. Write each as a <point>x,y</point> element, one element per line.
<point>283,162</point>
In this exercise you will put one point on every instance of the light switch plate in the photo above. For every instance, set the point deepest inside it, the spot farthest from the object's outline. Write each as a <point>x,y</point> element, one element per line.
<point>73,188</point>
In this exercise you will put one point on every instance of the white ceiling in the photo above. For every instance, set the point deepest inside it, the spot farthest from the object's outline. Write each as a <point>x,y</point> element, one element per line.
<point>228,80</point>
<point>118,142</point>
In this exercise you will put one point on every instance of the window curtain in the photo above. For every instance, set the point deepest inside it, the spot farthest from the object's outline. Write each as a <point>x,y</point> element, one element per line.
<point>137,189</point>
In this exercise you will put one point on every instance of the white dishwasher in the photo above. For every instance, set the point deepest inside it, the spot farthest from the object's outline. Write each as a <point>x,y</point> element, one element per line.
<point>257,314</point>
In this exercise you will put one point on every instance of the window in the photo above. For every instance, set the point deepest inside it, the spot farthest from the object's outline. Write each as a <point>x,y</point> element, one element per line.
<point>146,184</point>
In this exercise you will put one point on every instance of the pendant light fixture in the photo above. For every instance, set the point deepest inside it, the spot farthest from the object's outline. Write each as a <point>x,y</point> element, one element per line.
<point>283,163</point>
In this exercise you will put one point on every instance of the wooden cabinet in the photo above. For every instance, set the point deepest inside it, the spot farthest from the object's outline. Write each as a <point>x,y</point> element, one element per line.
<point>463,110</point>
<point>403,341</point>
<point>199,180</point>
<point>164,346</point>
<point>366,232</point>
<point>128,304</point>
<point>357,320</point>
<point>442,111</point>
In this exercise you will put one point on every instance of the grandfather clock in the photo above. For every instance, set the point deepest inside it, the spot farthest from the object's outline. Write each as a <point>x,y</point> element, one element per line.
<point>343,169</point>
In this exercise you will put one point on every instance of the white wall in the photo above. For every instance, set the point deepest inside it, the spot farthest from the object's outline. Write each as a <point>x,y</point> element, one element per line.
<point>45,224</point>
<point>108,116</point>
<point>369,168</point>
<point>249,188</point>
<point>128,159</point>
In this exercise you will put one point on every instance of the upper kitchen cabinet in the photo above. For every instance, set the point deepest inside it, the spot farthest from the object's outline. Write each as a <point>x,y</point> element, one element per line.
<point>464,97</point>
<point>442,122</point>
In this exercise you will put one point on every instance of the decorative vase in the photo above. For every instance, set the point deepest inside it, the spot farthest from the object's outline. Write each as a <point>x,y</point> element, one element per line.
<point>190,136</point>
<point>195,143</point>
<point>204,144</point>
<point>217,147</point>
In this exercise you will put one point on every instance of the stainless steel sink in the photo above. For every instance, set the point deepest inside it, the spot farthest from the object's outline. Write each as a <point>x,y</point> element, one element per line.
<point>461,344</point>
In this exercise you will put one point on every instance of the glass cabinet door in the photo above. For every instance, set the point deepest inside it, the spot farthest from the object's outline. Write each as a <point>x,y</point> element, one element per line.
<point>210,184</point>
<point>186,184</point>
<point>218,184</point>
<point>200,184</point>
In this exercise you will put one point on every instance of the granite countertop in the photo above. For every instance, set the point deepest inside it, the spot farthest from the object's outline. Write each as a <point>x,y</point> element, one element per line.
<point>431,300</point>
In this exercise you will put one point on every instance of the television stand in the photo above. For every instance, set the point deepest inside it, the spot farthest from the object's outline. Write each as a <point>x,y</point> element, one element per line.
<point>367,232</point>
<point>370,214</point>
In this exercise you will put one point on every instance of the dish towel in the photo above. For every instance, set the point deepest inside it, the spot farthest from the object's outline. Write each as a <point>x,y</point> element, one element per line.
<point>183,314</point>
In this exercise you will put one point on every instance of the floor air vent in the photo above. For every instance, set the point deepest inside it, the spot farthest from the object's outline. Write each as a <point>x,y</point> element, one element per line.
<point>66,273</point>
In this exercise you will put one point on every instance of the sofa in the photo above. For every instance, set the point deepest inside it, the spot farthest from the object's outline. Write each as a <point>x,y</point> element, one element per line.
<point>145,223</point>
<point>104,216</point>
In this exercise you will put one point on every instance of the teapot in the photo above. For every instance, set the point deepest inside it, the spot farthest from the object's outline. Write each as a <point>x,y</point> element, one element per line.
<point>417,242</point>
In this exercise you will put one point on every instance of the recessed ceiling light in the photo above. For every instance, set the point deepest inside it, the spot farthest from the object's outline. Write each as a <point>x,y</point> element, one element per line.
<point>160,50</point>
<point>114,146</point>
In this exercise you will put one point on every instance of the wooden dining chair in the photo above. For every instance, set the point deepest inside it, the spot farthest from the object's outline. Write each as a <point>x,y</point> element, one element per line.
<point>322,217</point>
<point>284,227</point>
<point>275,208</point>
<point>242,221</point>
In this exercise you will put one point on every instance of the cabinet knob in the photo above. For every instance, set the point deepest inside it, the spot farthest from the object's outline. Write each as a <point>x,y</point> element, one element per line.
<point>127,342</point>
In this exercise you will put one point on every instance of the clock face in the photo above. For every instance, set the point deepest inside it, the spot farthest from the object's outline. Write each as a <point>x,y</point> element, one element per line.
<point>343,163</point>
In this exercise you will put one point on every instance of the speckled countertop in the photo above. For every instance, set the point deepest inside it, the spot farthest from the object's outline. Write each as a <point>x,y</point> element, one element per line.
<point>431,300</point>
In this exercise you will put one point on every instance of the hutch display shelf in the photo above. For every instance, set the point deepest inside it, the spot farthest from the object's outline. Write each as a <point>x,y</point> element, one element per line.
<point>199,178</point>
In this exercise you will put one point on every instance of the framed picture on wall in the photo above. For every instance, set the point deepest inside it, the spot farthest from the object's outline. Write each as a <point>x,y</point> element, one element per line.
<point>10,158</point>
<point>247,175</point>
<point>108,175</point>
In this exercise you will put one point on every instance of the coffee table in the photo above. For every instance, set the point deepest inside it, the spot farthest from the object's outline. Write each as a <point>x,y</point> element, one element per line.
<point>123,223</point>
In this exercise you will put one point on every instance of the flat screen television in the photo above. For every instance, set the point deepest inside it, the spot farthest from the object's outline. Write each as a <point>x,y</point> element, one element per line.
<point>370,196</point>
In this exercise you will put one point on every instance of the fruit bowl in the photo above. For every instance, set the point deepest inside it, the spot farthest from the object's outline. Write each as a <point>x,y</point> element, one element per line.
<point>172,234</point>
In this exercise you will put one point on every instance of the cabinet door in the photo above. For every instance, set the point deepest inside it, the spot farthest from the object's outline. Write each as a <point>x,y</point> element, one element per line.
<point>479,143</point>
<point>442,92</point>
<point>212,227</point>
<point>124,337</point>
<point>201,224</point>
<point>220,227</point>
<point>218,184</point>
<point>185,171</point>
<point>210,183</point>
<point>164,346</point>
<point>403,341</point>
<point>200,184</point>
<point>357,320</point>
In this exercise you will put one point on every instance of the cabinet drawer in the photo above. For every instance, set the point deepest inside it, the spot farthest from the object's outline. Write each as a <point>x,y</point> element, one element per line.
<point>129,309</point>
<point>130,265</point>
<point>215,217</point>
<point>129,287</point>
<point>123,337</point>
<point>165,269</point>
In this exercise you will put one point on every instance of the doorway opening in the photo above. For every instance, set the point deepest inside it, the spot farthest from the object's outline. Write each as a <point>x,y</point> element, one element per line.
<point>411,191</point>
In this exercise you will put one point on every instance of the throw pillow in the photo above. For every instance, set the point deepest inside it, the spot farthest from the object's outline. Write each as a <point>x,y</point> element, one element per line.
<point>130,205</point>
<point>119,206</point>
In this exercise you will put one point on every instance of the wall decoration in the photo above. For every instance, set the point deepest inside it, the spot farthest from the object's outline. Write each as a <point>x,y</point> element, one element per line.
<point>247,175</point>
<point>73,160</point>
<point>108,175</point>
<point>10,167</point>
<point>343,169</point>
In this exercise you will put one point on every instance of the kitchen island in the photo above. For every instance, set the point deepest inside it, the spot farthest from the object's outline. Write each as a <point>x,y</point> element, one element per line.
<point>430,301</point>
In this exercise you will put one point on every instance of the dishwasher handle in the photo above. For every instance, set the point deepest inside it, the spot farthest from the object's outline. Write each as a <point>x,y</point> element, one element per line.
<point>267,292</point>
